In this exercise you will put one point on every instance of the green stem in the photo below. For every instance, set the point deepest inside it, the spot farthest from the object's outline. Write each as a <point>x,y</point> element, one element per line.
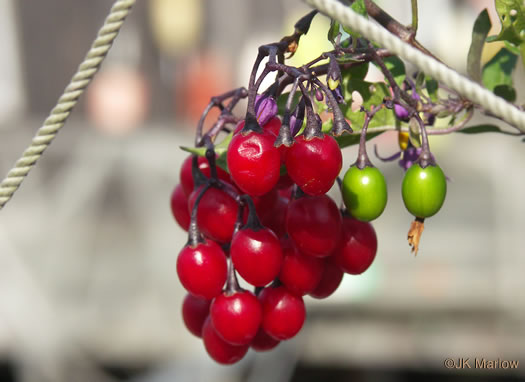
<point>414,17</point>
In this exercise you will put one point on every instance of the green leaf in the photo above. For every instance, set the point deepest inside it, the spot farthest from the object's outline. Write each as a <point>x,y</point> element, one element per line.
<point>354,72</point>
<point>498,71</point>
<point>220,149</point>
<point>372,94</point>
<point>222,163</point>
<point>432,88</point>
<point>359,7</point>
<point>346,140</point>
<point>512,16</point>
<point>283,98</point>
<point>480,31</point>
<point>513,48</point>
<point>477,129</point>
<point>334,31</point>
<point>397,68</point>
<point>506,92</point>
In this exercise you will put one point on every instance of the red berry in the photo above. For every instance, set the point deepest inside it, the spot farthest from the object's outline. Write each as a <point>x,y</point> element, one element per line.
<point>358,246</point>
<point>194,313</point>
<point>186,177</point>
<point>202,269</point>
<point>283,312</point>
<point>314,224</point>
<point>256,255</point>
<point>275,218</point>
<point>266,202</point>
<point>218,349</point>
<point>330,280</point>
<point>285,182</point>
<point>263,342</point>
<point>314,164</point>
<point>236,316</point>
<point>216,214</point>
<point>300,273</point>
<point>254,162</point>
<point>179,207</point>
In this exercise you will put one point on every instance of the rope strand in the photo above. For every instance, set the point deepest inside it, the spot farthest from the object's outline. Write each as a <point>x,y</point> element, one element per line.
<point>67,101</point>
<point>467,88</point>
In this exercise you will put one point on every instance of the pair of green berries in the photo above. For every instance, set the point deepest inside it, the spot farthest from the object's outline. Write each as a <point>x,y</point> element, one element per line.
<point>365,192</point>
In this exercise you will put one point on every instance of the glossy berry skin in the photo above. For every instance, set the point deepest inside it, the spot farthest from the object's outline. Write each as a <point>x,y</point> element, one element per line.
<point>194,313</point>
<point>202,269</point>
<point>236,316</point>
<point>330,280</point>
<point>358,246</point>
<point>254,162</point>
<point>364,192</point>
<point>263,342</point>
<point>216,213</point>
<point>186,177</point>
<point>314,224</point>
<point>283,312</point>
<point>424,190</point>
<point>300,273</point>
<point>179,207</point>
<point>314,164</point>
<point>256,255</point>
<point>218,349</point>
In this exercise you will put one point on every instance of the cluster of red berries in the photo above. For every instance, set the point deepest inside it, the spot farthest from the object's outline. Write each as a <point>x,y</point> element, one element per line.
<point>280,232</point>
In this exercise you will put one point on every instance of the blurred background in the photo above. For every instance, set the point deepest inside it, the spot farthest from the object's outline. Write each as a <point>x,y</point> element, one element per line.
<point>88,287</point>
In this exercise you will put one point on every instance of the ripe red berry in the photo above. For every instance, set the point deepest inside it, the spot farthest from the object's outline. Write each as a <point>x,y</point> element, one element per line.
<point>202,269</point>
<point>275,218</point>
<point>236,316</point>
<point>179,207</point>
<point>266,202</point>
<point>216,213</point>
<point>263,342</point>
<point>218,349</point>
<point>300,273</point>
<point>314,164</point>
<point>330,280</point>
<point>186,178</point>
<point>283,312</point>
<point>194,313</point>
<point>254,162</point>
<point>257,255</point>
<point>357,248</point>
<point>314,224</point>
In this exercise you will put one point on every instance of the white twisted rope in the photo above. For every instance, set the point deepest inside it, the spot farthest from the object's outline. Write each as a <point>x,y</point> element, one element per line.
<point>469,89</point>
<point>67,101</point>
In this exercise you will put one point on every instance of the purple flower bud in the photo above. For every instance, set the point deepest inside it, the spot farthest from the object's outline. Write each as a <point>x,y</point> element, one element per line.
<point>401,113</point>
<point>297,118</point>
<point>319,95</point>
<point>265,108</point>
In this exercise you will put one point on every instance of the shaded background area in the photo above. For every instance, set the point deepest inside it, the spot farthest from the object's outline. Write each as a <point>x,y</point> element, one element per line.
<point>88,288</point>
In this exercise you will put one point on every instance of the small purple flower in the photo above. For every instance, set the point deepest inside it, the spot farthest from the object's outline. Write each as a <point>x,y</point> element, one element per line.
<point>409,156</point>
<point>265,108</point>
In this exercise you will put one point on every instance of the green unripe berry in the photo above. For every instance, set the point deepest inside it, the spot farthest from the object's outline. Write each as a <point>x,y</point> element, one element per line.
<point>424,190</point>
<point>364,192</point>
